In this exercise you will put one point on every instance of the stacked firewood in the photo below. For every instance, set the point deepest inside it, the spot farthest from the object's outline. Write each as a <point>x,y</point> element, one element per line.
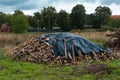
<point>38,50</point>
<point>35,50</point>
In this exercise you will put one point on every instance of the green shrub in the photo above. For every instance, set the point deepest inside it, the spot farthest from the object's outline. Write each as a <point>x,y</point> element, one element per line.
<point>76,30</point>
<point>20,24</point>
<point>114,23</point>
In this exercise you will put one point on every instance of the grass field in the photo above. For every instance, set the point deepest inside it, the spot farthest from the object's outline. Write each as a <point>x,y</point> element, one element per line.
<point>16,70</point>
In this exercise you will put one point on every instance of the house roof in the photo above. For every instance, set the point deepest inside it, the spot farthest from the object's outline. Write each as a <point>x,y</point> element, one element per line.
<point>115,16</point>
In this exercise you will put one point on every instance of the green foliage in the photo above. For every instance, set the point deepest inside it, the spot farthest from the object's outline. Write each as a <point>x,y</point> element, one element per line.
<point>20,24</point>
<point>35,21</point>
<point>78,16</point>
<point>37,15</point>
<point>15,70</point>
<point>9,19</point>
<point>38,20</point>
<point>2,18</point>
<point>48,17</point>
<point>89,19</point>
<point>101,16</point>
<point>115,23</point>
<point>18,12</point>
<point>63,20</point>
<point>77,19</point>
<point>32,21</point>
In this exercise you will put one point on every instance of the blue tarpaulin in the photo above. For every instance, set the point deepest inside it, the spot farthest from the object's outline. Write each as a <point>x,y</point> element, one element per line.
<point>59,40</point>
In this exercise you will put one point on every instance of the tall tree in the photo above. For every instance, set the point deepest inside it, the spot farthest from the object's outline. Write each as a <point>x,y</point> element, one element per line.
<point>18,12</point>
<point>48,17</point>
<point>89,19</point>
<point>38,18</point>
<point>63,20</point>
<point>2,18</point>
<point>9,19</point>
<point>37,15</point>
<point>32,21</point>
<point>102,14</point>
<point>78,16</point>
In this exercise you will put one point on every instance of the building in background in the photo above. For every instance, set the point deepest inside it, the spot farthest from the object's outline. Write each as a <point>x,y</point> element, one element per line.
<point>5,28</point>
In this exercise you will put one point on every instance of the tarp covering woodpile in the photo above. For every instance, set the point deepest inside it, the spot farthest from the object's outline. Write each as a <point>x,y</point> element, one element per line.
<point>62,41</point>
<point>61,47</point>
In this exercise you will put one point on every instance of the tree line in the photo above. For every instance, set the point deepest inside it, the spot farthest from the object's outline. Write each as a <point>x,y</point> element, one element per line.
<point>48,17</point>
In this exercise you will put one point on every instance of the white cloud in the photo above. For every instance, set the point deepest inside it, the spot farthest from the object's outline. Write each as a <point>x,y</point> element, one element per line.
<point>5,9</point>
<point>31,6</point>
<point>89,7</point>
<point>115,9</point>
<point>64,6</point>
<point>30,12</point>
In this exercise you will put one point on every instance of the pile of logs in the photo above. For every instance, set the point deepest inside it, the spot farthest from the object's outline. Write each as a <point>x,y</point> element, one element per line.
<point>35,50</point>
<point>114,40</point>
<point>38,50</point>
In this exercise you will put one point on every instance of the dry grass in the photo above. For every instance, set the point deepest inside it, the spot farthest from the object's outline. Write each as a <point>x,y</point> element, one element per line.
<point>9,40</point>
<point>97,37</point>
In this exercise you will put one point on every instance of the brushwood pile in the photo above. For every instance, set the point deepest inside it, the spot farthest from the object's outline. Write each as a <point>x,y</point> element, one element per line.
<point>62,48</point>
<point>114,39</point>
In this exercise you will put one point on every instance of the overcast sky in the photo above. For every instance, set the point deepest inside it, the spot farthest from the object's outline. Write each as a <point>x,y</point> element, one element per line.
<point>31,6</point>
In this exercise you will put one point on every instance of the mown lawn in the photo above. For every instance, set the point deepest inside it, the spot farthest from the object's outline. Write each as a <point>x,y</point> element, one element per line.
<point>15,70</point>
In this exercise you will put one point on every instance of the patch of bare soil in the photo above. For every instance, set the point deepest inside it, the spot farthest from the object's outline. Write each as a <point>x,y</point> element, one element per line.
<point>95,69</point>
